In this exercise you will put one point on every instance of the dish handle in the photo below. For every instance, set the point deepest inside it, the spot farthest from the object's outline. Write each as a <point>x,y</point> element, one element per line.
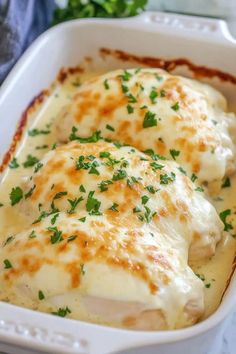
<point>194,26</point>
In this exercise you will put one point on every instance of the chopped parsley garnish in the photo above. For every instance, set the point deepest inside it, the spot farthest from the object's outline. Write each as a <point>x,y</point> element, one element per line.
<point>144,199</point>
<point>165,179</point>
<point>226,183</point>
<point>153,95</point>
<point>208,285</point>
<point>62,312</point>
<point>201,276</point>
<point>199,189</point>
<point>124,88</point>
<point>147,216</point>
<point>54,218</point>
<point>137,210</point>
<point>126,76</point>
<point>7,264</point>
<point>175,106</point>
<point>57,196</point>
<point>119,174</point>
<point>223,216</point>
<point>154,156</point>
<point>149,120</point>
<point>193,177</point>
<point>91,139</point>
<point>38,166</point>
<point>93,204</point>
<point>83,219</point>
<point>174,153</point>
<point>82,269</point>
<point>8,240</point>
<point>114,207</point>
<point>82,164</point>
<point>29,193</point>
<point>109,127</point>
<point>104,154</point>
<point>106,85</point>
<point>151,189</point>
<point>30,161</point>
<point>103,185</point>
<point>132,180</point>
<point>56,236</point>
<point>41,295</point>
<point>41,147</point>
<point>73,204</point>
<point>156,166</point>
<point>82,189</point>
<point>32,234</point>
<point>131,98</point>
<point>130,109</point>
<point>36,131</point>
<point>1,205</point>
<point>182,170</point>
<point>71,238</point>
<point>16,195</point>
<point>162,93</point>
<point>14,163</point>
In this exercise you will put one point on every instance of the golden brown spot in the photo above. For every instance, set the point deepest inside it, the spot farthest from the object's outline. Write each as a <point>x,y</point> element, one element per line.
<point>170,206</point>
<point>74,269</point>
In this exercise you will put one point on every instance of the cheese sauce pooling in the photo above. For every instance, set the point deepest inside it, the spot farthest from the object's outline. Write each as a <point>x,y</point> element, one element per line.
<point>41,138</point>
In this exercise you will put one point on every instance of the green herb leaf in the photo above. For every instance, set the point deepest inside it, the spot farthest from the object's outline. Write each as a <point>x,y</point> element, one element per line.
<point>106,85</point>
<point>144,199</point>
<point>56,236</point>
<point>175,106</point>
<point>73,203</point>
<point>14,163</point>
<point>36,131</point>
<point>149,120</point>
<point>193,178</point>
<point>62,312</point>
<point>8,240</point>
<point>82,189</point>
<point>174,153</point>
<point>30,192</point>
<point>223,216</point>
<point>82,219</point>
<point>93,204</point>
<point>104,154</point>
<point>114,207</point>
<point>30,161</point>
<point>153,95</point>
<point>199,189</point>
<point>71,238</point>
<point>16,195</point>
<point>82,269</point>
<point>119,174</point>
<point>32,234</point>
<point>109,127</point>
<point>38,166</point>
<point>96,136</point>
<point>41,295</point>
<point>7,264</point>
<point>103,185</point>
<point>226,183</point>
<point>130,109</point>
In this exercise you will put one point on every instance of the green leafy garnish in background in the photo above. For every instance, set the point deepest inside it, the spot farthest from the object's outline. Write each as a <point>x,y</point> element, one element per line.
<point>98,8</point>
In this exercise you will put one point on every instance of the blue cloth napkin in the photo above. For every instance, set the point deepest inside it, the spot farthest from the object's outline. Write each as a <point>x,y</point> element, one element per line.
<point>21,21</point>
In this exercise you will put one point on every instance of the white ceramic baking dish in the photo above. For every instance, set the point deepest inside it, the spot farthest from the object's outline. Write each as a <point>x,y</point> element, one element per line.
<point>205,42</point>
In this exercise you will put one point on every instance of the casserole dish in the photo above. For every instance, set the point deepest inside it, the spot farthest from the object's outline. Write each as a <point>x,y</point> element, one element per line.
<point>152,34</point>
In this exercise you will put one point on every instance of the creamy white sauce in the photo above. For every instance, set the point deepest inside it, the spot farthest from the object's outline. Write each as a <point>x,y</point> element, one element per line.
<point>214,272</point>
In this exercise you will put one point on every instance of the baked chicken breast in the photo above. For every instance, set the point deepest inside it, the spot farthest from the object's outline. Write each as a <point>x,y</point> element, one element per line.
<point>179,118</point>
<point>110,237</point>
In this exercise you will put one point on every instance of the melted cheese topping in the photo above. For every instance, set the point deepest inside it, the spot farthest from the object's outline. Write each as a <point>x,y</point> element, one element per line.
<point>94,299</point>
<point>130,218</point>
<point>151,109</point>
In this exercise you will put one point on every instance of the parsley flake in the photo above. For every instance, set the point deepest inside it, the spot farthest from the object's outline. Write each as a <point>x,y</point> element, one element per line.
<point>149,120</point>
<point>175,106</point>
<point>174,153</point>
<point>16,195</point>
<point>41,295</point>
<point>14,163</point>
<point>7,264</point>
